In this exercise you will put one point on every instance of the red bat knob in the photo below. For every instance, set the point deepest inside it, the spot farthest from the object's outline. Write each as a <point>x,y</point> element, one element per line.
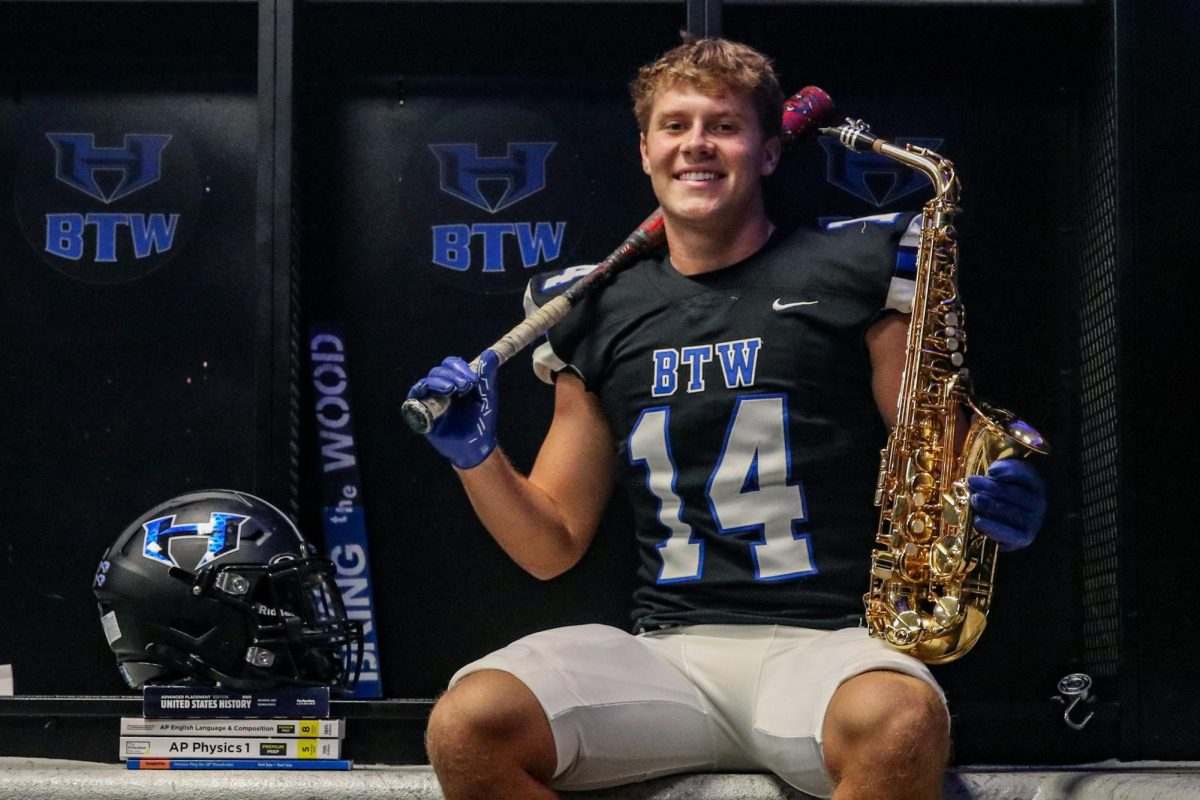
<point>803,114</point>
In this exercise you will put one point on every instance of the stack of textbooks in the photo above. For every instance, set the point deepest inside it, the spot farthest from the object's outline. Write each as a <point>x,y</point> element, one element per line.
<point>198,727</point>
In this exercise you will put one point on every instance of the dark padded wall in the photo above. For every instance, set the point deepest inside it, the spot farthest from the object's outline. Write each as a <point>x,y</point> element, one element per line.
<point>130,380</point>
<point>1159,294</point>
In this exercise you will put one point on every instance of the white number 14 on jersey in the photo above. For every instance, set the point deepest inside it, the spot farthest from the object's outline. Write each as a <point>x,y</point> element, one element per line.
<point>748,490</point>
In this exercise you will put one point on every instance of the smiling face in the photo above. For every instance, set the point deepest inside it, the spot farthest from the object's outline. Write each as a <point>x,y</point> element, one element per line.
<point>706,157</point>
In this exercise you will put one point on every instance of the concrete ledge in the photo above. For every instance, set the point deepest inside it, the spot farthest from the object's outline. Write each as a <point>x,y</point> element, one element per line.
<point>49,779</point>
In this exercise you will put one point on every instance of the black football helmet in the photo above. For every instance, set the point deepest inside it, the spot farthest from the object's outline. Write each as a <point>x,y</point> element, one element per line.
<point>220,587</point>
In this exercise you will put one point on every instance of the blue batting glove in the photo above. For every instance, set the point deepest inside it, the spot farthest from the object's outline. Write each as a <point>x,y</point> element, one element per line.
<point>1009,502</point>
<point>466,433</point>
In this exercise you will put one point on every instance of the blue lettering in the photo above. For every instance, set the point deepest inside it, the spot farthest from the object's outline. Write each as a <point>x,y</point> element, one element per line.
<point>452,247</point>
<point>696,357</point>
<point>337,450</point>
<point>540,244</point>
<point>106,234</point>
<point>64,235</point>
<point>155,234</point>
<point>493,243</point>
<point>666,362</point>
<point>739,360</point>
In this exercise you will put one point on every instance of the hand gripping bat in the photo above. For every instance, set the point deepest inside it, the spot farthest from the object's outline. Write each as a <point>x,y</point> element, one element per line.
<point>803,114</point>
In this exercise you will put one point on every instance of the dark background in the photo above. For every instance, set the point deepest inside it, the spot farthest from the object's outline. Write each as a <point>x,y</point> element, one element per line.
<point>309,124</point>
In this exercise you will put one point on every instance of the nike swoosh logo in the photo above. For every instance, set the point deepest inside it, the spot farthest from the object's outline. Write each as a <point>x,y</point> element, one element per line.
<point>778,306</point>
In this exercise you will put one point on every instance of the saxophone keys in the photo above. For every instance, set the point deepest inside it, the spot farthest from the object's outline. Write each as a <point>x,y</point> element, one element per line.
<point>919,526</point>
<point>925,457</point>
<point>905,630</point>
<point>915,563</point>
<point>947,555</point>
<point>921,488</point>
<point>946,611</point>
<point>883,565</point>
<point>954,505</point>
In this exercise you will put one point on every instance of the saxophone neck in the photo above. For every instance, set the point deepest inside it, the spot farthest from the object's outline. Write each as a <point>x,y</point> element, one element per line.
<point>856,135</point>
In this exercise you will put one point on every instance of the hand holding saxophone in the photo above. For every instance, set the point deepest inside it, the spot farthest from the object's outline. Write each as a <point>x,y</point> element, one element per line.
<point>1009,502</point>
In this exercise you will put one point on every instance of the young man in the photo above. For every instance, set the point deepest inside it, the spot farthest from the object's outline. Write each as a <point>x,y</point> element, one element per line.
<point>738,387</point>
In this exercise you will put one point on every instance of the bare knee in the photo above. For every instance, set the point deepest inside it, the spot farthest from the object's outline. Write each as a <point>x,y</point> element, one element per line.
<point>490,717</point>
<point>482,705</point>
<point>891,719</point>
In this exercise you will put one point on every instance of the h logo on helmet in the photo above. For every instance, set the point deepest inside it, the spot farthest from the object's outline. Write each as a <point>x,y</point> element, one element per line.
<point>221,530</point>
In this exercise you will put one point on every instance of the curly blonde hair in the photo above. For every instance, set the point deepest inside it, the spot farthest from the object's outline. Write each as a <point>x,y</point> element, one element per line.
<point>711,66</point>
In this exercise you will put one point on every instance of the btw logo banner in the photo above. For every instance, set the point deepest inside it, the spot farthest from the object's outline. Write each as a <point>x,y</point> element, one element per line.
<point>495,204</point>
<point>106,207</point>
<point>519,174</point>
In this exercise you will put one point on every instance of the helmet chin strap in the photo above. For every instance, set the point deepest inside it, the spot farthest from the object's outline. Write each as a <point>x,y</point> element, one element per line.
<point>187,664</point>
<point>181,575</point>
<point>198,669</point>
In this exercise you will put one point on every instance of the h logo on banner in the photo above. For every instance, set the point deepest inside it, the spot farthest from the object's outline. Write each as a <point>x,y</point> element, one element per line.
<point>138,163</point>
<point>523,169</point>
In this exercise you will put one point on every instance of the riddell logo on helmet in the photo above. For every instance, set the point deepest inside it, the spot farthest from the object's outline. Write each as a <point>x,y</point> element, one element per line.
<point>267,611</point>
<point>222,532</point>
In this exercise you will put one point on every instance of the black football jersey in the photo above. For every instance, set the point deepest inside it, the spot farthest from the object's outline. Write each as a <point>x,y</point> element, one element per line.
<point>748,438</point>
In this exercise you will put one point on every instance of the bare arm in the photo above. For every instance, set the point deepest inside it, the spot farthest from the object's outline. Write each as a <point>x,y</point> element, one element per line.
<point>886,340</point>
<point>546,521</point>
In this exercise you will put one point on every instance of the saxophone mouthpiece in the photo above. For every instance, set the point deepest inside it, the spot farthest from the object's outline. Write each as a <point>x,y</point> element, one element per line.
<point>854,134</point>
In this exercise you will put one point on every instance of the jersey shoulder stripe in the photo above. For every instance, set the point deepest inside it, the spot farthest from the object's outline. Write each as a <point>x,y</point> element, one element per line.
<point>874,219</point>
<point>904,284</point>
<point>542,288</point>
<point>906,254</point>
<point>539,291</point>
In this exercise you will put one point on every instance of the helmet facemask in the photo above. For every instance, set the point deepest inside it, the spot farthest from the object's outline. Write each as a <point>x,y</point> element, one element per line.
<point>297,630</point>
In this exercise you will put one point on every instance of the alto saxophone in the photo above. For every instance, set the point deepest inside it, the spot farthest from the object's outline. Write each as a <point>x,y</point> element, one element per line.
<point>932,573</point>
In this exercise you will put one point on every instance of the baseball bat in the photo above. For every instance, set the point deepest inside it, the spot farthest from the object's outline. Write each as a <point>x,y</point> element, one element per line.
<point>803,114</point>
